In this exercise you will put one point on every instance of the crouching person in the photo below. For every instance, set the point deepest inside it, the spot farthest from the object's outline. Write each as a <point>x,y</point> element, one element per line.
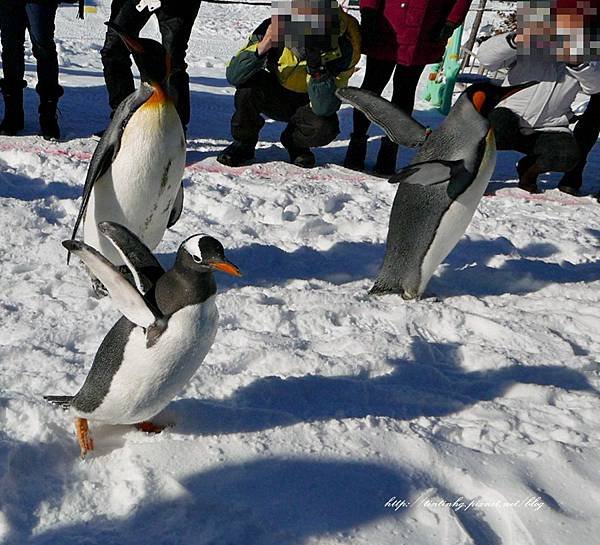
<point>289,71</point>
<point>536,121</point>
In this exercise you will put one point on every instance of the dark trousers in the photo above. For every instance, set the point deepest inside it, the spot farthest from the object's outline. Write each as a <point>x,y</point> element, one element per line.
<point>549,151</point>
<point>377,75</point>
<point>586,134</point>
<point>38,19</point>
<point>263,94</point>
<point>175,21</point>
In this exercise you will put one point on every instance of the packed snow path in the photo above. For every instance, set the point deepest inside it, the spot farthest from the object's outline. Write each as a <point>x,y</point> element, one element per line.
<point>317,404</point>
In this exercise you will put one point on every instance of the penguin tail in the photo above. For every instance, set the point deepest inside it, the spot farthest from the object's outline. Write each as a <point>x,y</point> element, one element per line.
<point>381,288</point>
<point>64,402</point>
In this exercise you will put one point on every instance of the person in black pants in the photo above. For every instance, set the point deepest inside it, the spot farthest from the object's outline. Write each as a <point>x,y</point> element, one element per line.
<point>38,18</point>
<point>377,74</point>
<point>175,20</point>
<point>586,134</point>
<point>290,73</point>
<point>545,151</point>
<point>399,38</point>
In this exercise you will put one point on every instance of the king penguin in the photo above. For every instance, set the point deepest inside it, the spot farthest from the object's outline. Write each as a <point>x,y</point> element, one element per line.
<point>168,325</point>
<point>134,177</point>
<point>440,189</point>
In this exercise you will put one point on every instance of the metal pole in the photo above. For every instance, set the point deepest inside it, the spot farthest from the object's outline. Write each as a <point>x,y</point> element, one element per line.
<point>474,30</point>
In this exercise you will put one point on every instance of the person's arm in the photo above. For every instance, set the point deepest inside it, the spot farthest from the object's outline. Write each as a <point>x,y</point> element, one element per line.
<point>498,52</point>
<point>323,100</point>
<point>588,76</point>
<point>252,58</point>
<point>459,11</point>
<point>321,84</point>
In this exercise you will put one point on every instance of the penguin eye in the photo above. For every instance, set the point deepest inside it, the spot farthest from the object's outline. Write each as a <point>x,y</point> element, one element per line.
<point>197,259</point>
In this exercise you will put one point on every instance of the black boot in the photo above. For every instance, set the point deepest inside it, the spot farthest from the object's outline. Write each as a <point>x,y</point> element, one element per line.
<point>14,117</point>
<point>528,174</point>
<point>48,118</point>
<point>236,154</point>
<point>301,157</point>
<point>571,182</point>
<point>357,151</point>
<point>386,158</point>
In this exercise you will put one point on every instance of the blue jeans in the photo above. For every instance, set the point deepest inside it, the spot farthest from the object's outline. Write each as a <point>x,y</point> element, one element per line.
<point>38,19</point>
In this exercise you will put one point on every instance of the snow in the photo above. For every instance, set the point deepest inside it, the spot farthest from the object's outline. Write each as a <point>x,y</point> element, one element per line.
<point>318,404</point>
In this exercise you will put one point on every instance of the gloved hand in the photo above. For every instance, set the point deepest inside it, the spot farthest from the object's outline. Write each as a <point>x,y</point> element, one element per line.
<point>443,33</point>
<point>368,26</point>
<point>314,63</point>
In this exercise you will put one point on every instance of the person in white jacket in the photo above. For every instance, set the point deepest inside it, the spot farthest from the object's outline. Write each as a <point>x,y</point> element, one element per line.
<point>536,121</point>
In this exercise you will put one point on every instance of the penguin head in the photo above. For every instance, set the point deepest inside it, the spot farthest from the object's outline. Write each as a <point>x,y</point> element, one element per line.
<point>485,96</point>
<point>203,254</point>
<point>150,56</point>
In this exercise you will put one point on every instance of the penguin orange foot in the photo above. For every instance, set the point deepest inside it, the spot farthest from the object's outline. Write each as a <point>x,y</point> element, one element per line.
<point>149,427</point>
<point>86,443</point>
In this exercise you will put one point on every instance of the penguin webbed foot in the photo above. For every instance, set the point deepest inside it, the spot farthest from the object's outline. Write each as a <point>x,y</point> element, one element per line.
<point>380,289</point>
<point>149,427</point>
<point>86,443</point>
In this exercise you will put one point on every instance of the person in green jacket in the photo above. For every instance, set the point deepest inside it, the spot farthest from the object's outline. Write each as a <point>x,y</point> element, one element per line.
<point>289,71</point>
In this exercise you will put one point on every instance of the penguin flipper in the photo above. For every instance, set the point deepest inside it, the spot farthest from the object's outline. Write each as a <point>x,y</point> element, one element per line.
<point>429,172</point>
<point>397,124</point>
<point>144,267</point>
<point>126,297</point>
<point>177,208</point>
<point>108,148</point>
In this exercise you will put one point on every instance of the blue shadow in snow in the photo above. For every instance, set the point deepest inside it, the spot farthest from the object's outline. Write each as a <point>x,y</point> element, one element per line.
<point>260,502</point>
<point>268,265</point>
<point>434,384</point>
<point>467,271</point>
<point>30,189</point>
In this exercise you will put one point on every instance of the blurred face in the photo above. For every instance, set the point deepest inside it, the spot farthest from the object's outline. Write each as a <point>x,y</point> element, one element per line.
<point>560,28</point>
<point>293,21</point>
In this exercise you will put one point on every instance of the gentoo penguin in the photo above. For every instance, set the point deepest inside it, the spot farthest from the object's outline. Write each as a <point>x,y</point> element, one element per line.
<point>168,325</point>
<point>134,177</point>
<point>440,189</point>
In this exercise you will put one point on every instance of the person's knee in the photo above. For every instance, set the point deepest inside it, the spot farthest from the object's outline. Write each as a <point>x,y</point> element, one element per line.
<point>326,129</point>
<point>248,94</point>
<point>557,153</point>
<point>316,131</point>
<point>505,124</point>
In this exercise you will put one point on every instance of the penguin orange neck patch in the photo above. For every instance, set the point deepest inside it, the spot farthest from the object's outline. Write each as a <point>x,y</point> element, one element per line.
<point>159,96</point>
<point>479,100</point>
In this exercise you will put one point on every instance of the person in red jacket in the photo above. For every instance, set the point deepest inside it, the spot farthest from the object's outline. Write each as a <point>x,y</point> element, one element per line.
<point>399,37</point>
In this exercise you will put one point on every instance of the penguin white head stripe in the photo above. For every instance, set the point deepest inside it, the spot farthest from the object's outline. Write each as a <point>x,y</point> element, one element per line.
<point>208,253</point>
<point>192,247</point>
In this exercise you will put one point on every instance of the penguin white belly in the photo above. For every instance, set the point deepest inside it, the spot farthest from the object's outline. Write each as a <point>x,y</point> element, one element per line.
<point>140,187</point>
<point>149,378</point>
<point>456,219</point>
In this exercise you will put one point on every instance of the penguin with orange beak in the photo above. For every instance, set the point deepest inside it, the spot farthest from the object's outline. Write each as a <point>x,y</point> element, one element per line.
<point>134,177</point>
<point>438,192</point>
<point>168,326</point>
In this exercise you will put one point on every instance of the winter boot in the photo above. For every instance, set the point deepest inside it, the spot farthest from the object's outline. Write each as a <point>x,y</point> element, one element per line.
<point>386,158</point>
<point>571,182</point>
<point>528,173</point>
<point>357,151</point>
<point>236,154</point>
<point>301,157</point>
<point>14,117</point>
<point>48,118</point>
